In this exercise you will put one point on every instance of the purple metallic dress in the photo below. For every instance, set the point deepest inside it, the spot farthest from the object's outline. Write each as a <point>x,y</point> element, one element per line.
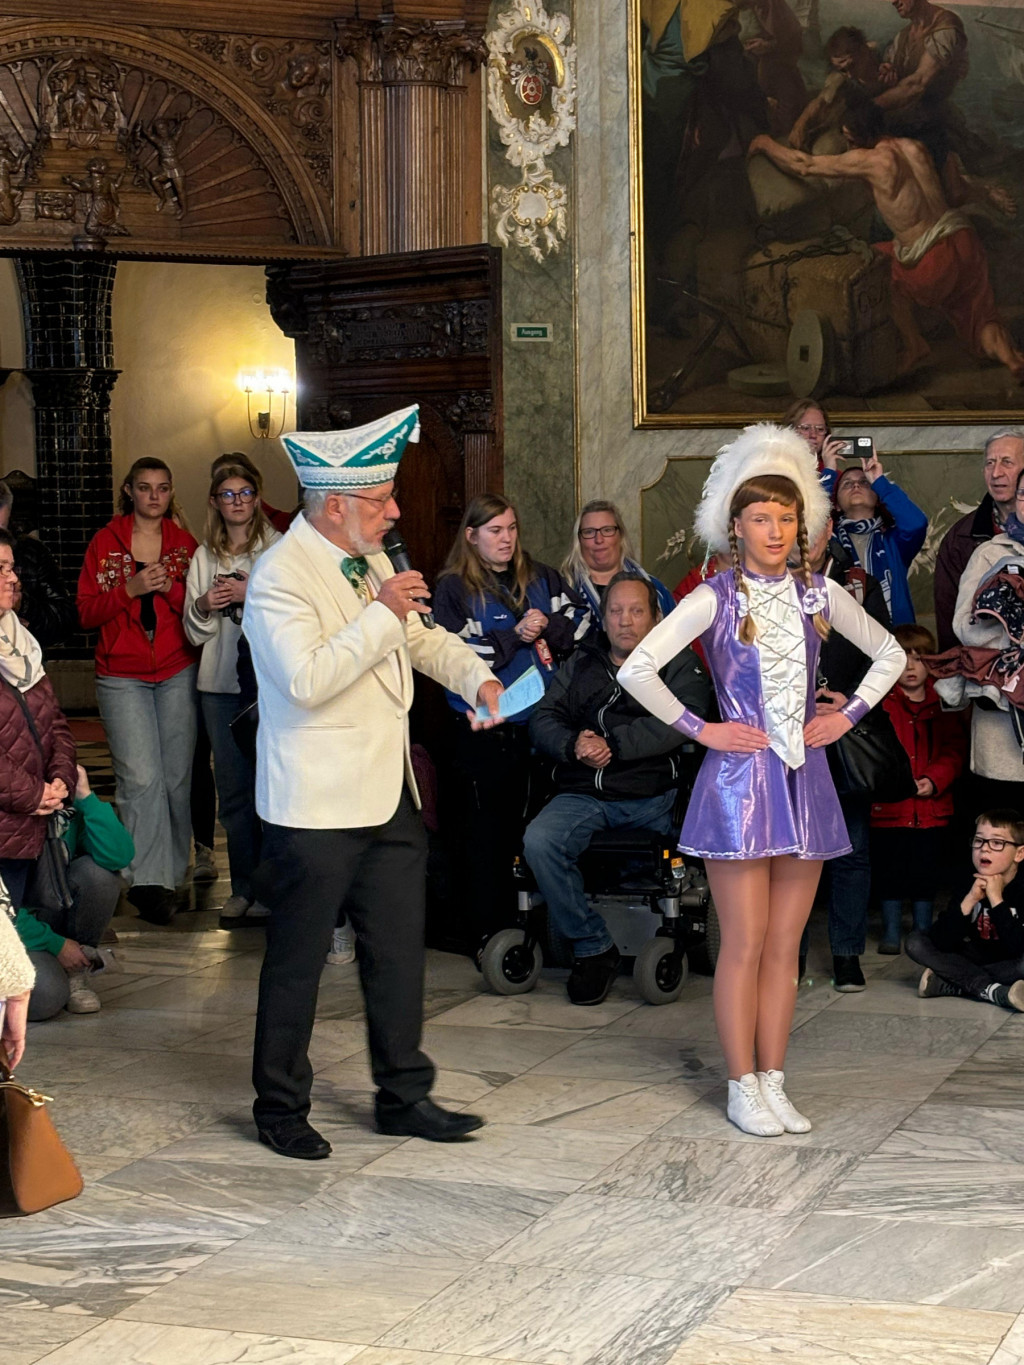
<point>751,805</point>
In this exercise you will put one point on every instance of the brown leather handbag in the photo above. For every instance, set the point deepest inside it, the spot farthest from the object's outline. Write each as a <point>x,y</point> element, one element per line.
<point>36,1170</point>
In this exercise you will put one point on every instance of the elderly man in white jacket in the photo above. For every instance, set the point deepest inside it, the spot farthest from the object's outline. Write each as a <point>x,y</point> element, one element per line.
<point>335,635</point>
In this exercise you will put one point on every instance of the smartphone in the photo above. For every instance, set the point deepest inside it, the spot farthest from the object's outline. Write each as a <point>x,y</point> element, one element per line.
<point>857,447</point>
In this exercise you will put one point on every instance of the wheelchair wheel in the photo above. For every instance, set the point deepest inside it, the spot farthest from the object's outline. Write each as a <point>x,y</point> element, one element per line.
<point>660,971</point>
<point>509,966</point>
<point>714,939</point>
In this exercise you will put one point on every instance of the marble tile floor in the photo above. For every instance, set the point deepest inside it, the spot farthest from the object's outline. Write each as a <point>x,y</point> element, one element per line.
<point>606,1215</point>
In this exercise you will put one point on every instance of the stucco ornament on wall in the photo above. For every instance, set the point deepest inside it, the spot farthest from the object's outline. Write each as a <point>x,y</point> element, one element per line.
<point>531,94</point>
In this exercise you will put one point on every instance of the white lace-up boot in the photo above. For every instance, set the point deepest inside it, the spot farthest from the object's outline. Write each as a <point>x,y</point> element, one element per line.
<point>775,1098</point>
<point>748,1110</point>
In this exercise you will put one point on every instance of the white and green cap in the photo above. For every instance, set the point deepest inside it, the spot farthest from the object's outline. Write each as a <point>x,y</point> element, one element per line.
<point>358,457</point>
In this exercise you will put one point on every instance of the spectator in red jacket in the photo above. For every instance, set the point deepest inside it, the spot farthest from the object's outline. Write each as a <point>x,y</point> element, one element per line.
<point>37,751</point>
<point>910,836</point>
<point>132,588</point>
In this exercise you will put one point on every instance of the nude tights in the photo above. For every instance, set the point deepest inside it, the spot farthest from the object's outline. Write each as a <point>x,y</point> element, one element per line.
<point>763,905</point>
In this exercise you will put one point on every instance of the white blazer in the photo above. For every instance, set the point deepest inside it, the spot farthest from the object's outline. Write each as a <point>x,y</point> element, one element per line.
<point>335,687</point>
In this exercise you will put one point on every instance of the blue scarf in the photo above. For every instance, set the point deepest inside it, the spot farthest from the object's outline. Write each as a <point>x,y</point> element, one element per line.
<point>878,559</point>
<point>1014,528</point>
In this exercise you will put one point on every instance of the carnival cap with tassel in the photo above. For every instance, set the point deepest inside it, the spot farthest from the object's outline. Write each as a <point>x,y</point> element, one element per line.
<point>358,457</point>
<point>760,449</point>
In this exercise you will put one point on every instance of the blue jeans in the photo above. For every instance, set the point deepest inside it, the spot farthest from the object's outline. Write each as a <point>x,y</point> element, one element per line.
<point>850,884</point>
<point>236,789</point>
<point>554,842</point>
<point>151,730</point>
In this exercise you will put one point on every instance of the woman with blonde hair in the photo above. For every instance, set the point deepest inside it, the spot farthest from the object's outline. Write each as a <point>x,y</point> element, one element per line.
<point>516,614</point>
<point>237,533</point>
<point>764,814</point>
<point>600,550</point>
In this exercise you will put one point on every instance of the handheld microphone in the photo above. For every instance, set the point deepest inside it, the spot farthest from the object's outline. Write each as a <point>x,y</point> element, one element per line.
<point>396,550</point>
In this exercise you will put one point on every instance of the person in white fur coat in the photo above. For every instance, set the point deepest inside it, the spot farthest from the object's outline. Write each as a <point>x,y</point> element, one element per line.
<point>17,977</point>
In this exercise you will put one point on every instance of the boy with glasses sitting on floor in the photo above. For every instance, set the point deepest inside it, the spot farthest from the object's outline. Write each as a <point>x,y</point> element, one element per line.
<point>976,946</point>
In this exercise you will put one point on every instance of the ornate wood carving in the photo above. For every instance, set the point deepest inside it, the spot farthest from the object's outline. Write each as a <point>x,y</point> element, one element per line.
<point>162,139</point>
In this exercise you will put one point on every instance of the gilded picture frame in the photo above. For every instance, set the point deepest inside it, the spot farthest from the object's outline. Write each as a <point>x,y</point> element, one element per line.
<point>751,285</point>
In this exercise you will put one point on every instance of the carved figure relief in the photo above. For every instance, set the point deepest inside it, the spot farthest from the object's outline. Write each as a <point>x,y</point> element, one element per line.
<point>531,95</point>
<point>110,140</point>
<point>103,206</point>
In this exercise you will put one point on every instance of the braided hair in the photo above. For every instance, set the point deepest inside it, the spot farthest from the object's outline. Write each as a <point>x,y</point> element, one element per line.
<point>770,488</point>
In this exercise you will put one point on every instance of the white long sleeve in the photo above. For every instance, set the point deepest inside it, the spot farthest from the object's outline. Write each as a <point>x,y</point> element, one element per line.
<point>887,658</point>
<point>639,674</point>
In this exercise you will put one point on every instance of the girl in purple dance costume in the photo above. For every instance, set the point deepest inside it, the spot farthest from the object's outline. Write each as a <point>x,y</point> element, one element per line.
<point>764,813</point>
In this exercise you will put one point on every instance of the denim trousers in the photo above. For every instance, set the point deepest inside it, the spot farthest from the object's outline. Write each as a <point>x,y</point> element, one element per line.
<point>151,730</point>
<point>95,892</point>
<point>850,884</point>
<point>554,843</point>
<point>961,968</point>
<point>236,789</point>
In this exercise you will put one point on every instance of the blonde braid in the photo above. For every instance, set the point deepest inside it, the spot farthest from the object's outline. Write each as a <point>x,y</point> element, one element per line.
<point>821,625</point>
<point>747,630</point>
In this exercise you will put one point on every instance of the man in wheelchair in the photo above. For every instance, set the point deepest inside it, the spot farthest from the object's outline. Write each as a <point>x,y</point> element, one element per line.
<point>615,767</point>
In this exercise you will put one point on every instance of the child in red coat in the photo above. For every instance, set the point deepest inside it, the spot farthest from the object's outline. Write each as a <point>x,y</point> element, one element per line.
<point>908,837</point>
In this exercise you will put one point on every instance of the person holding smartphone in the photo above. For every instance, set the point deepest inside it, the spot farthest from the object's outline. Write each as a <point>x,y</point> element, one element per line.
<point>237,533</point>
<point>877,525</point>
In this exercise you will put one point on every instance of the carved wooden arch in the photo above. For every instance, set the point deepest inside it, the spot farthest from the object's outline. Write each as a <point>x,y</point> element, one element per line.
<point>226,138</point>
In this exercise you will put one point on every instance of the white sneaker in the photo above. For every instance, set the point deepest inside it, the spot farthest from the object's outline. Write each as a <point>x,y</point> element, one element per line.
<point>82,999</point>
<point>748,1110</point>
<point>205,867</point>
<point>343,947</point>
<point>258,911</point>
<point>235,908</point>
<point>777,1101</point>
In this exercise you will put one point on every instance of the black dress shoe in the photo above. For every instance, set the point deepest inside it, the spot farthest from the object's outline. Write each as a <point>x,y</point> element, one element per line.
<point>846,974</point>
<point>591,977</point>
<point>293,1136</point>
<point>155,904</point>
<point>426,1119</point>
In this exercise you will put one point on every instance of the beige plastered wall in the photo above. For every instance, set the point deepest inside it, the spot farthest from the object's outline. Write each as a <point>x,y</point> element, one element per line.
<point>182,333</point>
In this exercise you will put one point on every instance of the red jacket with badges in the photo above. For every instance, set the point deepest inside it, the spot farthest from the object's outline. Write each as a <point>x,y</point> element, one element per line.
<point>937,744</point>
<point>124,649</point>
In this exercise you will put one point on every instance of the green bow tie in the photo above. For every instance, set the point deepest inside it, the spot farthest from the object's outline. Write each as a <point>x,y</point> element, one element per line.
<point>355,570</point>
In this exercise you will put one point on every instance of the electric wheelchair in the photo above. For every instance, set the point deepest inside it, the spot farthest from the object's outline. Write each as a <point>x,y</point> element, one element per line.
<point>629,875</point>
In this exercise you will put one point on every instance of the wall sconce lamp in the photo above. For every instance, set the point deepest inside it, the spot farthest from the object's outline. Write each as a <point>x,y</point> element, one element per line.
<point>276,384</point>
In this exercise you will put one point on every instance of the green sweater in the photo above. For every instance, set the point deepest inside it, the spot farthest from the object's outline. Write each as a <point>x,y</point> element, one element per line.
<point>94,830</point>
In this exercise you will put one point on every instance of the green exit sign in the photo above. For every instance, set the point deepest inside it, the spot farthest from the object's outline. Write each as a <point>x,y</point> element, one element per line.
<point>531,331</point>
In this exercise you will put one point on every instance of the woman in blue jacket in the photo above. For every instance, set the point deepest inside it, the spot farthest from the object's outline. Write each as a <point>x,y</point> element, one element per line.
<point>879,526</point>
<point>516,614</point>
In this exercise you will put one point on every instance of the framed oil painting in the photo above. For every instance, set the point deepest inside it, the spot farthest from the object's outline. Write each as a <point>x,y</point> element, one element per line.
<point>827,202</point>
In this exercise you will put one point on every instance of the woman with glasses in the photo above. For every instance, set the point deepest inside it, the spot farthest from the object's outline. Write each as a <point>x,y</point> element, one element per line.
<point>237,533</point>
<point>600,550</point>
<point>811,421</point>
<point>989,615</point>
<point>37,751</point>
<point>516,614</point>
<point>132,590</point>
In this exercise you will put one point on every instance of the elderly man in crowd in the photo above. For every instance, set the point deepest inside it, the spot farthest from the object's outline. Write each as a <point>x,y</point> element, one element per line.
<point>335,634</point>
<point>615,767</point>
<point>1004,460</point>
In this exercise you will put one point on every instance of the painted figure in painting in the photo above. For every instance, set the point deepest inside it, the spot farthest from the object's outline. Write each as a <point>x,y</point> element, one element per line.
<point>938,260</point>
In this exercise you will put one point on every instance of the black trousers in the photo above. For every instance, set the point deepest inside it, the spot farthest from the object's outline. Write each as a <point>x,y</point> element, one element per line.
<point>377,874</point>
<point>961,968</point>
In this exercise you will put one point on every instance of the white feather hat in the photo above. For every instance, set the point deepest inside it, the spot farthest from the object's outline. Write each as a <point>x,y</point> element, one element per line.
<point>760,449</point>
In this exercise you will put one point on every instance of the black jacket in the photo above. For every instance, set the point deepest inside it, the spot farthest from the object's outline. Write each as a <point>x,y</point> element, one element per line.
<point>47,608</point>
<point>958,544</point>
<point>584,695</point>
<point>841,664</point>
<point>990,933</point>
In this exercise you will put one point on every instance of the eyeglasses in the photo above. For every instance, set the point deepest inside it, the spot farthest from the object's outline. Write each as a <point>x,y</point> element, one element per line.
<point>10,570</point>
<point>229,496</point>
<point>365,497</point>
<point>592,532</point>
<point>807,430</point>
<point>996,845</point>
